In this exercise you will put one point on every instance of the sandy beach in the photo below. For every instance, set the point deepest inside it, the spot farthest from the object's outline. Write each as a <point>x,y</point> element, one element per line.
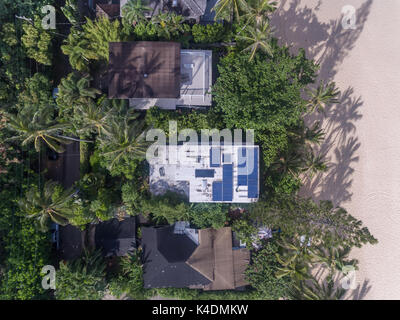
<point>363,132</point>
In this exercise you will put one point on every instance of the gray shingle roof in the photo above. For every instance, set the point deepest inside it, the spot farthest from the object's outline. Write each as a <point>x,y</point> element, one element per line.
<point>165,255</point>
<point>116,238</point>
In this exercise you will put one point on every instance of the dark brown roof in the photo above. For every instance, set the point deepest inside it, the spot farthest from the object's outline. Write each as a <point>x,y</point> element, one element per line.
<point>144,69</point>
<point>107,10</point>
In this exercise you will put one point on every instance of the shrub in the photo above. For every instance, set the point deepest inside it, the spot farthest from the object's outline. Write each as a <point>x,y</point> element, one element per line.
<point>210,33</point>
<point>82,279</point>
<point>37,42</point>
<point>37,92</point>
<point>171,207</point>
<point>102,206</point>
<point>208,215</point>
<point>27,251</point>
<point>261,273</point>
<point>245,230</point>
<point>145,31</point>
<point>82,215</point>
<point>131,198</point>
<point>129,278</point>
<point>193,119</point>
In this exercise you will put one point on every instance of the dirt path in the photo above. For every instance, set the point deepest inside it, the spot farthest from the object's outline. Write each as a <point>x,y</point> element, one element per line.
<point>363,140</point>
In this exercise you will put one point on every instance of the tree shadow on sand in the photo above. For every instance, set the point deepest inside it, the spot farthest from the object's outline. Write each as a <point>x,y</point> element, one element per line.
<point>298,26</point>
<point>340,147</point>
<point>326,42</point>
<point>358,293</point>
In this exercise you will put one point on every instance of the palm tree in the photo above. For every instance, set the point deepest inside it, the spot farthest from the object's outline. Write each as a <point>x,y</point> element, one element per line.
<point>83,278</point>
<point>74,90</point>
<point>312,290</point>
<point>257,11</point>
<point>38,126</point>
<point>258,38</point>
<point>335,258</point>
<point>134,11</point>
<point>50,202</point>
<point>78,50</point>
<point>291,163</point>
<point>170,22</point>
<point>124,138</point>
<point>94,116</point>
<point>314,163</point>
<point>229,9</point>
<point>71,11</point>
<point>306,136</point>
<point>322,96</point>
<point>294,260</point>
<point>314,135</point>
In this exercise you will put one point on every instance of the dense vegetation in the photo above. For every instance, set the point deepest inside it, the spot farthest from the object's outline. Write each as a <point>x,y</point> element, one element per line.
<point>260,86</point>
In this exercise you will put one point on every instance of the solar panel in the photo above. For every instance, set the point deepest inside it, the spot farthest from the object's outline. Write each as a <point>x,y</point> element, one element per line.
<point>227,182</point>
<point>215,157</point>
<point>242,180</point>
<point>253,177</point>
<point>217,191</point>
<point>204,173</point>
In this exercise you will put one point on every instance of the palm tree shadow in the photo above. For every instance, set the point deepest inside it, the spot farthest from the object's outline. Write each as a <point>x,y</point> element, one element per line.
<point>361,291</point>
<point>341,145</point>
<point>298,26</point>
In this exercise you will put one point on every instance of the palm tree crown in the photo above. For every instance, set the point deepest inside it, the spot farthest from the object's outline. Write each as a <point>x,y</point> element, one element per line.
<point>257,38</point>
<point>123,139</point>
<point>170,22</point>
<point>229,9</point>
<point>75,90</point>
<point>322,96</point>
<point>38,126</point>
<point>134,11</point>
<point>257,11</point>
<point>50,202</point>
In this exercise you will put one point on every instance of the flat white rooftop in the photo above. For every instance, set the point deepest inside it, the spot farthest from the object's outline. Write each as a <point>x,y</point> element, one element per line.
<point>196,80</point>
<point>214,173</point>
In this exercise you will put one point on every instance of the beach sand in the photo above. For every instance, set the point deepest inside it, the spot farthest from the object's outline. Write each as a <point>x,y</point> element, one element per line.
<point>363,131</point>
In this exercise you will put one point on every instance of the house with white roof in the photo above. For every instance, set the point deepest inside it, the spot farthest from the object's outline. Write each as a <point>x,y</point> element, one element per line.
<point>207,173</point>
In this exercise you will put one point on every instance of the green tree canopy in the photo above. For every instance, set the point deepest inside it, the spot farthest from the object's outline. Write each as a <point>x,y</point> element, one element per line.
<point>323,223</point>
<point>38,126</point>
<point>51,202</point>
<point>261,274</point>
<point>134,11</point>
<point>82,279</point>
<point>37,42</point>
<point>37,91</point>
<point>264,95</point>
